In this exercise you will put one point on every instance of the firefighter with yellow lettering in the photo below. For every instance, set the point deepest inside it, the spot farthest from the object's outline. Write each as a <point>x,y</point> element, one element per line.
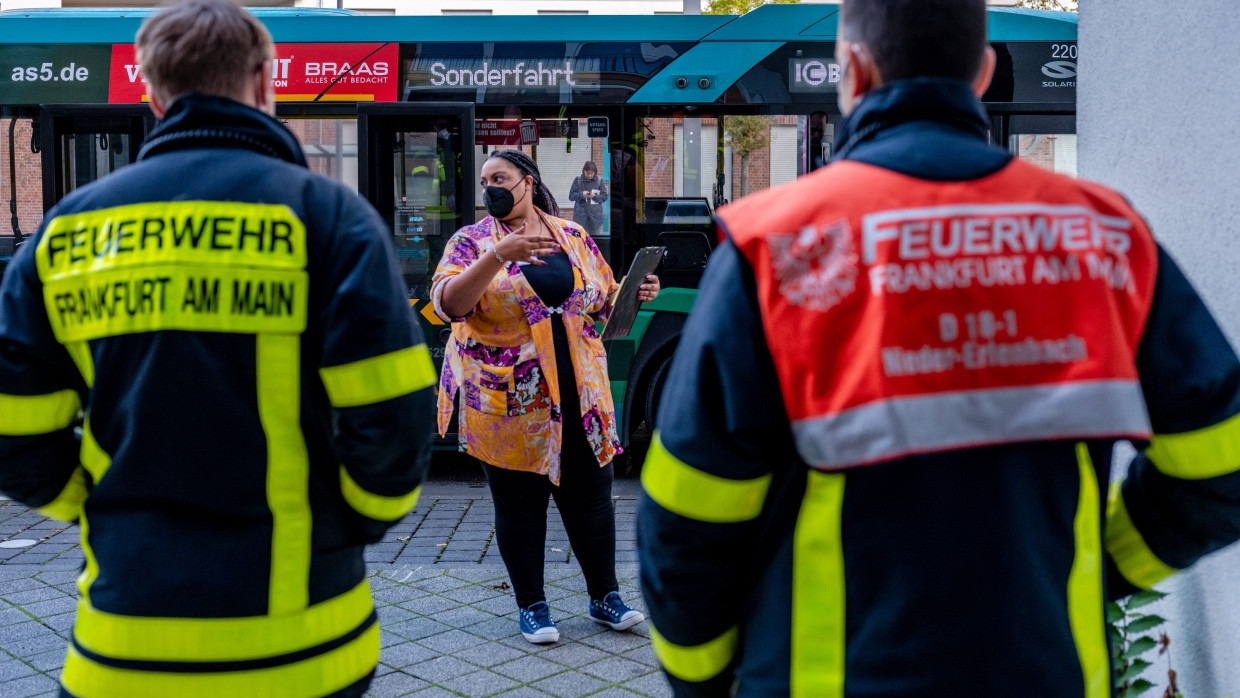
<point>881,466</point>
<point>207,359</point>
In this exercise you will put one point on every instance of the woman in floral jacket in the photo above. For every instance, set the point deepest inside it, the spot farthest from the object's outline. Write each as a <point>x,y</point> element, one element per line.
<point>527,374</point>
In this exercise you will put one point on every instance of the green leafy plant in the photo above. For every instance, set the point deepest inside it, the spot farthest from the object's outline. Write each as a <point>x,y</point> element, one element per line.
<point>1133,635</point>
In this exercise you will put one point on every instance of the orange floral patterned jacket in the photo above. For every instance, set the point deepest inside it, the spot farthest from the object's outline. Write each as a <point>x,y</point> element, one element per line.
<point>499,368</point>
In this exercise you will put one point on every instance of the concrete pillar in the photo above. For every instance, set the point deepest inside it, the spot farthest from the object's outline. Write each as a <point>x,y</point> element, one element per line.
<point>1158,92</point>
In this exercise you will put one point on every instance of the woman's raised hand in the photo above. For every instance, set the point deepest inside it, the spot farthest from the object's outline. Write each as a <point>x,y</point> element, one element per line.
<point>522,247</point>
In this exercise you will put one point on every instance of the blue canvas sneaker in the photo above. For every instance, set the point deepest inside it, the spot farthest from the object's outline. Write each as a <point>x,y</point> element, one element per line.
<point>536,624</point>
<point>613,612</point>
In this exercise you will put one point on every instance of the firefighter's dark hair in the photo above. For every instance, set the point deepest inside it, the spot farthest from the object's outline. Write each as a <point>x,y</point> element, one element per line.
<point>543,198</point>
<point>918,38</point>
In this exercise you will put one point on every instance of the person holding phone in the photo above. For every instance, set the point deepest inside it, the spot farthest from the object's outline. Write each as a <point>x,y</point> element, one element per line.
<point>588,194</point>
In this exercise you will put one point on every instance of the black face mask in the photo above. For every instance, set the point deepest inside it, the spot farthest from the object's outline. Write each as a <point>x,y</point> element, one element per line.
<point>499,201</point>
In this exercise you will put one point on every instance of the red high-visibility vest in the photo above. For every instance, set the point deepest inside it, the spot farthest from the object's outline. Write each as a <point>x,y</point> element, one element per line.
<point>910,316</point>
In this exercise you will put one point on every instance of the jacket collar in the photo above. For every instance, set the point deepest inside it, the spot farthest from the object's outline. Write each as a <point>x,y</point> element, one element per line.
<point>207,121</point>
<point>943,101</point>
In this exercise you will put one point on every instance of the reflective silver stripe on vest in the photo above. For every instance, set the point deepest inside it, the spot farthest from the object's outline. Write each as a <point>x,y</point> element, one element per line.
<point>971,418</point>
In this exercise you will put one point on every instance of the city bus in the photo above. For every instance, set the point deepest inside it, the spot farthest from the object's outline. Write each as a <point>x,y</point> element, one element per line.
<point>679,113</point>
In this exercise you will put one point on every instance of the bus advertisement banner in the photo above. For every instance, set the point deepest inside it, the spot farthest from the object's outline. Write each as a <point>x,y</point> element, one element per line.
<point>299,73</point>
<point>53,74</point>
<point>505,132</point>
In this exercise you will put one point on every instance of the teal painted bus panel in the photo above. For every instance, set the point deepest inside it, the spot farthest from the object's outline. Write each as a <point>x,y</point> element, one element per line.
<point>721,63</point>
<point>821,22</point>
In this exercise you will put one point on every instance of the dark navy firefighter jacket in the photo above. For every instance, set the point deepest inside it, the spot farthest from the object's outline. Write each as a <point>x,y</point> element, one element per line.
<point>208,360</point>
<point>980,570</point>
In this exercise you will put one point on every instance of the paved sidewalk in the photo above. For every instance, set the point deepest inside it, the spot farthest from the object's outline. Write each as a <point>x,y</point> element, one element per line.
<point>448,616</point>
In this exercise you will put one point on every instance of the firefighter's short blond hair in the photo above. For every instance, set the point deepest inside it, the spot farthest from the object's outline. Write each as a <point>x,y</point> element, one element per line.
<point>208,46</point>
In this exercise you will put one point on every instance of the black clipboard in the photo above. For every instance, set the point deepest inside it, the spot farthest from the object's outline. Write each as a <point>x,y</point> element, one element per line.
<point>624,309</point>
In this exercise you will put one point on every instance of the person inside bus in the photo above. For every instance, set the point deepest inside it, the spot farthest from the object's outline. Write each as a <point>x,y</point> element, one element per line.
<point>588,193</point>
<point>527,373</point>
<point>819,147</point>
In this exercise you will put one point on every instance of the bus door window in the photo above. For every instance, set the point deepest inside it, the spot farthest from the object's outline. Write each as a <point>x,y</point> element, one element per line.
<point>330,146</point>
<point>21,177</point>
<point>821,135</point>
<point>1048,141</point>
<point>561,146</point>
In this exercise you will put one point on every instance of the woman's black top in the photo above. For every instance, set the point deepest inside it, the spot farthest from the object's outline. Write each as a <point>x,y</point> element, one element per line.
<point>553,283</point>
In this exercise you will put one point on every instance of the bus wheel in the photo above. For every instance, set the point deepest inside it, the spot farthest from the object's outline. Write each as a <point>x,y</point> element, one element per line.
<point>654,392</point>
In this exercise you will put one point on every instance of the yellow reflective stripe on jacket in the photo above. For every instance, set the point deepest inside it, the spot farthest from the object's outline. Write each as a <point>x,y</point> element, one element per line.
<point>93,457</point>
<point>1139,565</point>
<point>817,666</point>
<point>316,676</point>
<point>141,638</point>
<point>684,490</point>
<point>80,353</point>
<point>1085,595</point>
<point>28,415</point>
<point>376,506</point>
<point>67,505</point>
<point>379,378</point>
<point>1196,455</point>
<point>288,471</point>
<point>696,663</point>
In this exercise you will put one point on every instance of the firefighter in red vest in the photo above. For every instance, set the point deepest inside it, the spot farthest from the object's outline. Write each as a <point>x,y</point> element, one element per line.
<point>882,464</point>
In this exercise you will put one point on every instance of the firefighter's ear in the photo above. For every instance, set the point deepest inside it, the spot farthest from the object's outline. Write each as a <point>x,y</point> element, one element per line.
<point>156,104</point>
<point>985,72</point>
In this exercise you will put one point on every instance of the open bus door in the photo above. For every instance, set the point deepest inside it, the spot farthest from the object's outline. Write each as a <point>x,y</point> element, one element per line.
<point>416,166</point>
<point>82,143</point>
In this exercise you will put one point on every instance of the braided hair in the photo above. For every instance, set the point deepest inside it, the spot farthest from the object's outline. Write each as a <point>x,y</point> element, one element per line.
<point>543,198</point>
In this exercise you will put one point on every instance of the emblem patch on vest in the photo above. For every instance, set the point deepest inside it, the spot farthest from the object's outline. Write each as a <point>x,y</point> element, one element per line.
<point>817,267</point>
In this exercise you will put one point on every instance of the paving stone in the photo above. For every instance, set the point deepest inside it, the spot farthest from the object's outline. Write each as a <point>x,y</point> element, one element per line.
<point>477,592</point>
<point>501,605</point>
<point>488,654</point>
<point>435,692</point>
<point>480,683</point>
<point>406,654</point>
<point>62,623</point>
<point>529,669</point>
<point>644,654</point>
<point>500,628</point>
<point>36,594</point>
<point>418,628</point>
<point>51,661</point>
<point>573,654</point>
<point>35,644</point>
<point>451,641</point>
<point>11,634</point>
<point>440,669</point>
<point>431,603</point>
<point>460,556</point>
<point>463,616</point>
<point>614,692</point>
<point>12,669</point>
<point>569,685</point>
<point>616,669</point>
<point>616,643</point>
<point>390,615</point>
<point>387,639</point>
<point>443,583</point>
<point>15,580</point>
<point>525,692</point>
<point>654,685</point>
<point>29,686</point>
<point>51,607</point>
<point>394,684</point>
